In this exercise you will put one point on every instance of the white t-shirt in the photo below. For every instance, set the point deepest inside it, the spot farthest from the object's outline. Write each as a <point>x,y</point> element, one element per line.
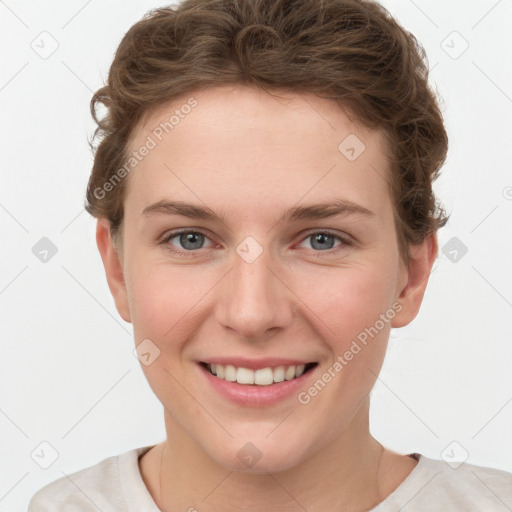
<point>115,485</point>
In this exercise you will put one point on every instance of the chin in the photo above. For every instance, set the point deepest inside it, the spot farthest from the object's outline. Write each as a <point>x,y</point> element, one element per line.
<point>260,456</point>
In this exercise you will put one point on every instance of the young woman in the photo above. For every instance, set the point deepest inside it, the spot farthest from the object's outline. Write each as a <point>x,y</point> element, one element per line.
<point>263,190</point>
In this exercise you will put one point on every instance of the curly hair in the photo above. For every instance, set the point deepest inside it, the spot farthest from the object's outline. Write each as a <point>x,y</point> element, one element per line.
<point>350,51</point>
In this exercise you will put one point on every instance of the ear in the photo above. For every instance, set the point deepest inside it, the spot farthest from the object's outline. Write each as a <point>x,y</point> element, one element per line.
<point>113,268</point>
<point>422,259</point>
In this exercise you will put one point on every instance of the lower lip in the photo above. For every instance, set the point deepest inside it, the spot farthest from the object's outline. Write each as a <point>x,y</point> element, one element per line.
<point>253,395</point>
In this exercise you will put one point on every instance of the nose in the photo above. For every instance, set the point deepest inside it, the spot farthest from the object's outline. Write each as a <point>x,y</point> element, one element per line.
<point>253,299</point>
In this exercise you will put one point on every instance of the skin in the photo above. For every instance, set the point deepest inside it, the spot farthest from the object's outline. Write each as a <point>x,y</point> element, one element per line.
<point>250,156</point>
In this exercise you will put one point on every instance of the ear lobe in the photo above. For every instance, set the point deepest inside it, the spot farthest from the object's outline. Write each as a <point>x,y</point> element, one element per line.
<point>113,268</point>
<point>418,272</point>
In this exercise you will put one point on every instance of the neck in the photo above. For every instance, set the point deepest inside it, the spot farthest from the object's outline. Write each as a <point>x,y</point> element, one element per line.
<point>344,475</point>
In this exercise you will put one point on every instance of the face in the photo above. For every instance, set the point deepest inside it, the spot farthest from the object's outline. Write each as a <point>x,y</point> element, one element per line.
<point>252,239</point>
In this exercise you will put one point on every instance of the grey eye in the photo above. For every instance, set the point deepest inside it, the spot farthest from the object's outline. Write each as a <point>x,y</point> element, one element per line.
<point>322,241</point>
<point>191,240</point>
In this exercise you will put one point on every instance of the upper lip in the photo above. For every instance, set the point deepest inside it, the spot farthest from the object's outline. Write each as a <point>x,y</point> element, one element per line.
<point>255,364</point>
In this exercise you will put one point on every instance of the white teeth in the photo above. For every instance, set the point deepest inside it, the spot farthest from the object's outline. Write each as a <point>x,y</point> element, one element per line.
<point>244,376</point>
<point>261,377</point>
<point>279,374</point>
<point>264,377</point>
<point>289,374</point>
<point>229,372</point>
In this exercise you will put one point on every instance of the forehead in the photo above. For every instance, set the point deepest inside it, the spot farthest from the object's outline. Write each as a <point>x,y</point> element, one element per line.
<point>250,145</point>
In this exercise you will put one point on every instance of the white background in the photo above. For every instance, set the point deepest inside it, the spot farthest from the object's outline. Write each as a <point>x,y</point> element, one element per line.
<point>68,375</point>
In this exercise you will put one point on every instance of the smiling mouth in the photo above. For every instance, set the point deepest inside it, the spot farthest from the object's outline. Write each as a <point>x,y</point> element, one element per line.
<point>261,377</point>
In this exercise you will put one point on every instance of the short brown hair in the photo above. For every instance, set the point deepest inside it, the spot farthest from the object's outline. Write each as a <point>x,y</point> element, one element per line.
<point>350,51</point>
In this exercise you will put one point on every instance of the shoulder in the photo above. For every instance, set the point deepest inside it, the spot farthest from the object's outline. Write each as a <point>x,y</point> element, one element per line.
<point>470,483</point>
<point>98,487</point>
<point>437,485</point>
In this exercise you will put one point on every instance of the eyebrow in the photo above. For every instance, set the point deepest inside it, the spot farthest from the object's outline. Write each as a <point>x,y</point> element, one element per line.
<point>302,212</point>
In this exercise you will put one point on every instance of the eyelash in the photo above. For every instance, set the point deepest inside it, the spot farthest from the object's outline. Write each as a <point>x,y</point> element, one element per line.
<point>165,241</point>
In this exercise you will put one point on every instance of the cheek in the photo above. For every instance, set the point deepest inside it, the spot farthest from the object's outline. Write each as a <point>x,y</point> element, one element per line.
<point>348,304</point>
<point>348,309</point>
<point>163,301</point>
<point>346,301</point>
